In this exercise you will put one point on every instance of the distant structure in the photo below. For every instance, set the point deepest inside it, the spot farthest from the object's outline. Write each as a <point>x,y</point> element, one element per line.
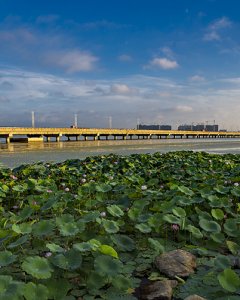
<point>198,127</point>
<point>154,127</point>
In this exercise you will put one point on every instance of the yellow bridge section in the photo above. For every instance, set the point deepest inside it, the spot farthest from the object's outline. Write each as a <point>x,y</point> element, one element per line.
<point>20,134</point>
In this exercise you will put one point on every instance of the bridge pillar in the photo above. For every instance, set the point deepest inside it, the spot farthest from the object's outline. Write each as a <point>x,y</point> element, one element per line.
<point>8,139</point>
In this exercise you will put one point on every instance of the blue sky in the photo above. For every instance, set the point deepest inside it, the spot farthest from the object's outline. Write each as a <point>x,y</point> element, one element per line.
<point>162,62</point>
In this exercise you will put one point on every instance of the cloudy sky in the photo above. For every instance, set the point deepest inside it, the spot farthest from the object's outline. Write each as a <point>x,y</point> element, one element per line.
<point>162,62</point>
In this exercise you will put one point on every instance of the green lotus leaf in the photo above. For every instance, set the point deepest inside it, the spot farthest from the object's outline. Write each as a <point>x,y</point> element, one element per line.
<point>194,231</point>
<point>49,204</point>
<point>42,228</point>
<point>58,288</point>
<point>185,190</point>
<point>95,281</point>
<point>230,225</point>
<point>143,228</point>
<point>95,244</point>
<point>81,225</point>
<point>38,267</point>
<point>236,192</point>
<point>203,214</point>
<point>54,248</point>
<point>103,188</point>
<point>156,245</point>
<point>91,216</point>
<point>6,258</point>
<point>229,280</point>
<point>23,228</point>
<point>222,262</point>
<point>179,212</point>
<point>221,189</point>
<point>110,226</point>
<point>70,260</point>
<point>20,188</point>
<point>123,242</point>
<point>66,218</point>
<point>121,283</point>
<point>83,247</point>
<point>217,213</point>
<point>10,289</point>
<point>25,213</point>
<point>68,229</point>
<point>35,291</point>
<point>171,219</point>
<point>184,201</point>
<point>217,237</point>
<point>108,250</point>
<point>209,226</point>
<point>22,240</point>
<point>233,247</point>
<point>115,211</point>
<point>107,265</point>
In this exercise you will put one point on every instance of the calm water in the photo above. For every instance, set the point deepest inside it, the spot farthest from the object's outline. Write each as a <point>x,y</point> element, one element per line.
<point>15,154</point>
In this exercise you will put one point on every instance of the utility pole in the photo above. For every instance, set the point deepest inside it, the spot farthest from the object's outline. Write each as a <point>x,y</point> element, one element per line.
<point>110,122</point>
<point>75,120</point>
<point>138,123</point>
<point>33,119</point>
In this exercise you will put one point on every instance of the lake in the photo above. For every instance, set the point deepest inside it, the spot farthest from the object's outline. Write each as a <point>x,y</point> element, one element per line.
<point>15,154</point>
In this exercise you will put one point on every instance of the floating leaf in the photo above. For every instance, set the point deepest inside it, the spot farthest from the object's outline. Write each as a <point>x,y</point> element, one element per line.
<point>58,288</point>
<point>222,262</point>
<point>44,227</point>
<point>185,190</point>
<point>38,267</point>
<point>22,228</point>
<point>108,250</point>
<point>179,212</point>
<point>233,247</point>
<point>35,291</point>
<point>83,247</point>
<point>217,237</point>
<point>171,219</point>
<point>115,211</point>
<point>195,231</point>
<point>22,240</point>
<point>6,258</point>
<point>143,228</point>
<point>209,226</point>
<point>156,245</point>
<point>110,226</point>
<point>68,229</point>
<point>96,281</point>
<point>121,283</point>
<point>103,188</point>
<point>217,213</point>
<point>70,260</point>
<point>54,248</point>
<point>229,280</point>
<point>107,265</point>
<point>123,242</point>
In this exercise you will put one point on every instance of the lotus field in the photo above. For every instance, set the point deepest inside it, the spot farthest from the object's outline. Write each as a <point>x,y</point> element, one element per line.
<point>92,229</point>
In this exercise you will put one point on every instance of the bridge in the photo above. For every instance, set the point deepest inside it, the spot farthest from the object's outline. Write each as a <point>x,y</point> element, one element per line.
<point>25,134</point>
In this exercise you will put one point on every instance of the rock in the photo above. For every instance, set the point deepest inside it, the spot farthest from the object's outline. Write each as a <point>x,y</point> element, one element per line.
<point>176,263</point>
<point>195,297</point>
<point>158,290</point>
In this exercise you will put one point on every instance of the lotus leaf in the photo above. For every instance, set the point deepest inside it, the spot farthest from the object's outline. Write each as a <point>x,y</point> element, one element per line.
<point>38,267</point>
<point>233,247</point>
<point>179,212</point>
<point>217,237</point>
<point>70,260</point>
<point>110,226</point>
<point>83,247</point>
<point>103,188</point>
<point>229,280</point>
<point>217,213</point>
<point>222,262</point>
<point>156,245</point>
<point>144,228</point>
<point>54,248</point>
<point>185,190</point>
<point>23,228</point>
<point>115,211</point>
<point>35,291</point>
<point>108,250</point>
<point>107,265</point>
<point>96,281</point>
<point>209,226</point>
<point>58,288</point>
<point>121,283</point>
<point>22,240</point>
<point>194,231</point>
<point>6,258</point>
<point>123,242</point>
<point>44,227</point>
<point>172,219</point>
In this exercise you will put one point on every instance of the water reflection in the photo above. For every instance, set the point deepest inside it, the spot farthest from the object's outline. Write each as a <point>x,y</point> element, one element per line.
<point>14,154</point>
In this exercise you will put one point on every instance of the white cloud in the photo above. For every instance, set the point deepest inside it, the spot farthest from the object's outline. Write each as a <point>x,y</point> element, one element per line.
<point>197,78</point>
<point>122,89</point>
<point>184,108</point>
<point>213,30</point>
<point>73,61</point>
<point>164,63</point>
<point>167,51</point>
<point>125,58</point>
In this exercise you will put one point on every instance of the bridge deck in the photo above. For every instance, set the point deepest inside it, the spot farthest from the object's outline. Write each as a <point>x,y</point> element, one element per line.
<point>37,134</point>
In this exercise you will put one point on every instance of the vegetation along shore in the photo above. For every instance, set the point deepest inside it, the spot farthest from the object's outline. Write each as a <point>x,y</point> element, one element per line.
<point>159,226</point>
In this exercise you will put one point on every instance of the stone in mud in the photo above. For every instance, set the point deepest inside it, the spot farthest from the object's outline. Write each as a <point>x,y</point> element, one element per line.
<point>195,297</point>
<point>158,290</point>
<point>176,263</point>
